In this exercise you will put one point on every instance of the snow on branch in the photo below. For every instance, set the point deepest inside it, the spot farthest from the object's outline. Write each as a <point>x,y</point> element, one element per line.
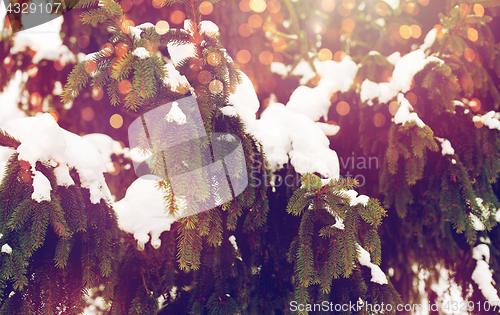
<point>43,140</point>
<point>446,147</point>
<point>482,275</point>
<point>405,68</point>
<point>378,276</point>
<point>142,212</point>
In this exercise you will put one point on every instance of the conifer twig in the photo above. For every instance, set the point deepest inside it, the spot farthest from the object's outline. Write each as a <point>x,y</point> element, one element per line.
<point>6,140</point>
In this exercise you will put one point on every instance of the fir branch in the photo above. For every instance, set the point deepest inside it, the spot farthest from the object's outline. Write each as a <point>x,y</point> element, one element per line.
<point>7,140</point>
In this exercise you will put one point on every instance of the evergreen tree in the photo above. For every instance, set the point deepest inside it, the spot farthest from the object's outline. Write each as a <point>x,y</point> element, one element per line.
<point>427,118</point>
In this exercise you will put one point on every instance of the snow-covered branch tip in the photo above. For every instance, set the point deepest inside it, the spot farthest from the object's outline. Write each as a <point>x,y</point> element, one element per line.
<point>6,140</point>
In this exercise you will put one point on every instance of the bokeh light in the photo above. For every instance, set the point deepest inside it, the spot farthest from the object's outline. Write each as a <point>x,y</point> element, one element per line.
<point>126,26</point>
<point>412,98</point>
<point>243,56</point>
<point>121,49</point>
<point>475,104</point>
<point>273,6</point>
<point>258,5</point>
<point>439,28</point>
<point>343,108</point>
<point>97,93</point>
<point>278,43</point>
<point>206,8</point>
<point>90,66</point>
<point>255,20</point>
<point>245,6</point>
<point>393,107</point>
<point>177,17</point>
<point>59,64</point>
<point>472,34</point>
<point>216,87</point>
<point>343,10</point>
<point>8,63</point>
<point>319,28</point>
<point>124,86</point>
<point>328,5</point>
<point>411,7</point>
<point>405,31</point>
<point>35,99</point>
<point>126,5</point>
<point>269,26</point>
<point>116,121</point>
<point>325,54</point>
<point>469,54</point>
<point>478,9</point>
<point>465,9</point>
<point>424,2</point>
<point>277,57</point>
<point>83,41</point>
<point>416,31</point>
<point>379,120</point>
<point>245,30</point>
<point>204,77</point>
<point>349,4</point>
<point>348,23</point>
<point>213,59</point>
<point>381,8</point>
<point>32,71</point>
<point>339,55</point>
<point>107,49</point>
<point>477,121</point>
<point>87,113</point>
<point>266,57</point>
<point>162,27</point>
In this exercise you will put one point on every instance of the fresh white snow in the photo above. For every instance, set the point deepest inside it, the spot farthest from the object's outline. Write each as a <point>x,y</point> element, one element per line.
<point>361,199</point>
<point>43,140</point>
<point>41,187</point>
<point>176,114</point>
<point>446,147</point>
<point>378,276</point>
<point>142,212</point>
<point>141,52</point>
<point>6,249</point>
<point>482,274</point>
<point>403,114</point>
